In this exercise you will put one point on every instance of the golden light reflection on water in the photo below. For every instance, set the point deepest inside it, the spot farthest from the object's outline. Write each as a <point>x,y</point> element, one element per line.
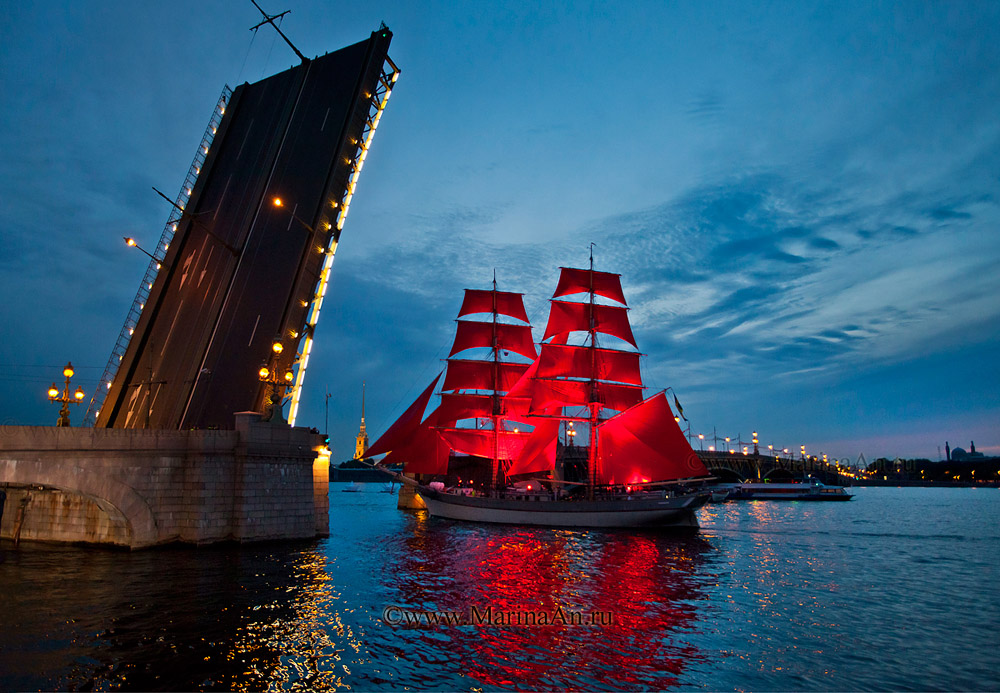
<point>299,637</point>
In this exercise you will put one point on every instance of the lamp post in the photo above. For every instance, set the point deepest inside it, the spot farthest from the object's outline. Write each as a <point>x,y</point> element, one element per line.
<point>65,398</point>
<point>132,244</point>
<point>275,377</point>
<point>701,441</point>
<point>278,202</point>
<point>194,220</point>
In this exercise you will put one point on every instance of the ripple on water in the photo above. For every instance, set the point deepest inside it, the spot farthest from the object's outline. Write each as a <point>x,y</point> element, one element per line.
<point>871,595</point>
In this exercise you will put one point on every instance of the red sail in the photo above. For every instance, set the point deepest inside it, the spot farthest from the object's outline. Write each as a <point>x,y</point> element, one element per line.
<point>425,452</point>
<point>481,301</point>
<point>524,384</point>
<point>516,338</point>
<point>549,394</point>
<point>405,426</point>
<point>539,451</point>
<point>455,407</point>
<point>575,281</point>
<point>645,444</point>
<point>570,317</point>
<point>478,375</point>
<point>468,441</point>
<point>516,407</point>
<point>584,362</point>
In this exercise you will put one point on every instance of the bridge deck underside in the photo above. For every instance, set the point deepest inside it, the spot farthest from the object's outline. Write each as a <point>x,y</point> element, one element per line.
<point>240,271</point>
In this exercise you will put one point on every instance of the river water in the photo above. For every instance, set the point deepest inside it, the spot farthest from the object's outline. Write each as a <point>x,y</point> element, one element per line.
<point>895,590</point>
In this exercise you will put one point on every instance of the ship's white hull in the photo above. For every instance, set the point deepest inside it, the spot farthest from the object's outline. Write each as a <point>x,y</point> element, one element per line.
<point>813,491</point>
<point>637,512</point>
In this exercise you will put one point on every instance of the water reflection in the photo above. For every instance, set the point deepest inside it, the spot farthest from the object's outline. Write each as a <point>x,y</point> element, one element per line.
<point>86,619</point>
<point>310,615</point>
<point>632,592</point>
<point>857,596</point>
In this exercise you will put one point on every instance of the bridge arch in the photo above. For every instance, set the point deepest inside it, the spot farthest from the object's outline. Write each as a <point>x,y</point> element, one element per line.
<point>725,474</point>
<point>110,495</point>
<point>780,475</point>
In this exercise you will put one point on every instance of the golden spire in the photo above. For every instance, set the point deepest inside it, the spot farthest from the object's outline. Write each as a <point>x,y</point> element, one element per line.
<point>362,442</point>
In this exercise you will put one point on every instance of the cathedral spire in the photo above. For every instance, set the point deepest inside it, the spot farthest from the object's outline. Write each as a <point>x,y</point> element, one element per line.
<point>362,441</point>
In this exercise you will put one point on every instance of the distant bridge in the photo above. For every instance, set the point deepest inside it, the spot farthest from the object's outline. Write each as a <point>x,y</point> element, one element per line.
<point>739,467</point>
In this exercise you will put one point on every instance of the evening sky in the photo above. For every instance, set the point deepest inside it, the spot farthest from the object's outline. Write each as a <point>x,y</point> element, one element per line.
<point>801,198</point>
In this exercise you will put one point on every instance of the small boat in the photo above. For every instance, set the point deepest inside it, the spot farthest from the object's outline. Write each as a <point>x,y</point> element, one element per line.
<point>509,416</point>
<point>719,495</point>
<point>353,487</point>
<point>807,490</point>
<point>721,492</point>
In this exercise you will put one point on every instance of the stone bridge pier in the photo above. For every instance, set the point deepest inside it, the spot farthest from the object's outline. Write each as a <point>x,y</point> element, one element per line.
<point>142,487</point>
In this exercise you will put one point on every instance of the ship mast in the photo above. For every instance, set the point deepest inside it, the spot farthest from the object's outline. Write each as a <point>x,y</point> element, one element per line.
<point>593,405</point>
<point>495,465</point>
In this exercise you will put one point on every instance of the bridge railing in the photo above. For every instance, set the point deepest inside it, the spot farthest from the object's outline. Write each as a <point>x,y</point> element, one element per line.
<point>159,256</point>
<point>751,466</point>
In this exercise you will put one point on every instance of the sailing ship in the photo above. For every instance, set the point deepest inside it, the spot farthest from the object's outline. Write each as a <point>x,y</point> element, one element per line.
<point>500,447</point>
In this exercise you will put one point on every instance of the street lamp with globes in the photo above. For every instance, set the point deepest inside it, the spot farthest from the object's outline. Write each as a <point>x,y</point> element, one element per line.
<point>275,377</point>
<point>65,398</point>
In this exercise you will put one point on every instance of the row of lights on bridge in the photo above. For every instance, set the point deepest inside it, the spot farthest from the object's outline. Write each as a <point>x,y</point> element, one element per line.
<point>746,448</point>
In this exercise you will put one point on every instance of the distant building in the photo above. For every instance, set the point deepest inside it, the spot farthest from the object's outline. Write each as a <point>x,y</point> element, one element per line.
<point>361,444</point>
<point>958,454</point>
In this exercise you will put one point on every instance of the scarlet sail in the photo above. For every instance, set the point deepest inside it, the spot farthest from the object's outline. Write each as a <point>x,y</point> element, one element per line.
<point>580,362</point>
<point>482,375</point>
<point>503,302</point>
<point>455,407</point>
<point>645,444</point>
<point>468,441</point>
<point>512,412</point>
<point>426,452</point>
<point>471,335</point>
<point>569,317</point>
<point>539,451</point>
<point>575,281</point>
<point>474,390</point>
<point>405,426</point>
<point>549,394</point>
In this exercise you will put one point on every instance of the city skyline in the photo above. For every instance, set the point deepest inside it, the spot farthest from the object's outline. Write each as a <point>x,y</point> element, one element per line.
<point>801,200</point>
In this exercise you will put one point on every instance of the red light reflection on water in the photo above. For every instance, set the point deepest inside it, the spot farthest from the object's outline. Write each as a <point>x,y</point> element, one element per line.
<point>640,589</point>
